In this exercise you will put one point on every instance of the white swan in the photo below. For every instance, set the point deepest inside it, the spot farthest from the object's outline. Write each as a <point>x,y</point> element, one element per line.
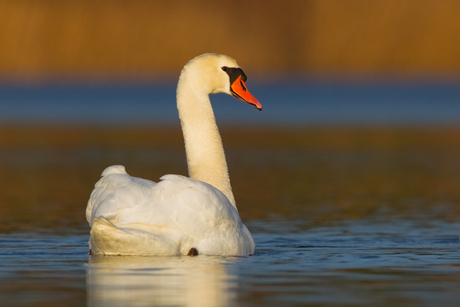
<point>178,215</point>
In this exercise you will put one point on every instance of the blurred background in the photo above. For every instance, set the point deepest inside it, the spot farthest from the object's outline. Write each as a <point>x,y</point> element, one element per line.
<point>349,179</point>
<point>46,40</point>
<point>352,91</point>
<point>353,62</point>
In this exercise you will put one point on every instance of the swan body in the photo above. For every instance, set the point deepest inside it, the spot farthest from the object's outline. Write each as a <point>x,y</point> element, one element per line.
<point>179,215</point>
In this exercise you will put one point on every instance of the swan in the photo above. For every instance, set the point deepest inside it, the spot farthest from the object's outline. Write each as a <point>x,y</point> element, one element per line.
<point>179,215</point>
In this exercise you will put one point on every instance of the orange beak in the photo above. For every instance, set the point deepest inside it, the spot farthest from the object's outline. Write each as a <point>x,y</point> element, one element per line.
<point>239,90</point>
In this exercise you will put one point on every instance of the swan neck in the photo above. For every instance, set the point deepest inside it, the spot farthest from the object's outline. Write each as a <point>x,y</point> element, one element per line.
<point>203,144</point>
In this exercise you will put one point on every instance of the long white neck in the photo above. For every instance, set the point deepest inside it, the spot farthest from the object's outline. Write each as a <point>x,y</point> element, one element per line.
<point>203,144</point>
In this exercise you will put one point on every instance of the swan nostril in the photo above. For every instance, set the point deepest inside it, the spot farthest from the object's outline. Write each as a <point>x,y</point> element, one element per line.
<point>244,87</point>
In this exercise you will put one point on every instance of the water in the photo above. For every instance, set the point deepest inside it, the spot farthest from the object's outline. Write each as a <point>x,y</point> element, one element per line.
<point>352,263</point>
<point>344,212</point>
<point>285,103</point>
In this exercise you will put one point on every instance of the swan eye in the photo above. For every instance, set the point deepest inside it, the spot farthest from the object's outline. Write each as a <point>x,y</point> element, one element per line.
<point>225,68</point>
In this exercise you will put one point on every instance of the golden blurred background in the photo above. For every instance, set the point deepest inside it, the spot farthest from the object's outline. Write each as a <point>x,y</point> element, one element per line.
<point>46,39</point>
<point>313,173</point>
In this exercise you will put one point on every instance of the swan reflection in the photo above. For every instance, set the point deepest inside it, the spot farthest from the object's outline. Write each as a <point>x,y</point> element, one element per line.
<point>160,281</point>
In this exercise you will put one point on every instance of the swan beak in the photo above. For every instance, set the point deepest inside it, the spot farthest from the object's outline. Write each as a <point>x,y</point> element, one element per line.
<point>240,91</point>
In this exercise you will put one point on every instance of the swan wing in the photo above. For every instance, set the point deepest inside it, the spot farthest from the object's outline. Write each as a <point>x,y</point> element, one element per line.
<point>173,215</point>
<point>177,201</point>
<point>195,207</point>
<point>204,215</point>
<point>117,191</point>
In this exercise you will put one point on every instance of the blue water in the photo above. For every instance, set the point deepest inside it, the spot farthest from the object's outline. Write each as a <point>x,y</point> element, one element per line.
<point>404,252</point>
<point>296,103</point>
<point>379,263</point>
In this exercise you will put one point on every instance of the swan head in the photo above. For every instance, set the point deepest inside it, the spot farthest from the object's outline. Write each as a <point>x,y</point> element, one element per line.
<point>218,73</point>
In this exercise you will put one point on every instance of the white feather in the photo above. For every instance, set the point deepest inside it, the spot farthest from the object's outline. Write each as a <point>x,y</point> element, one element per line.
<point>130,215</point>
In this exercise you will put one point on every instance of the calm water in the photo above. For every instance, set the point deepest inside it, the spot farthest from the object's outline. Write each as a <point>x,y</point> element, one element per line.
<point>402,263</point>
<point>285,103</point>
<point>341,216</point>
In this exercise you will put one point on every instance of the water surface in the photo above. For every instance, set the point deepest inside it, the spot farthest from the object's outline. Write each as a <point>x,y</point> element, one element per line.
<point>361,208</point>
<point>285,103</point>
<point>359,263</point>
